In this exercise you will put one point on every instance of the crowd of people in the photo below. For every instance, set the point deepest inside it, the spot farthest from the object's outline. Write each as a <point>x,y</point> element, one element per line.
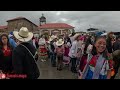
<point>89,56</point>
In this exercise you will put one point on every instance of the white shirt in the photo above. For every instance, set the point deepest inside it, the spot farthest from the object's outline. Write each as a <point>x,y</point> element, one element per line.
<point>73,49</point>
<point>42,41</point>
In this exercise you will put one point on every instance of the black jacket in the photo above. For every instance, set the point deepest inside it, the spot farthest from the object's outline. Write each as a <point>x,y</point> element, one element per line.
<point>52,46</point>
<point>116,45</point>
<point>109,45</point>
<point>23,62</point>
<point>67,40</point>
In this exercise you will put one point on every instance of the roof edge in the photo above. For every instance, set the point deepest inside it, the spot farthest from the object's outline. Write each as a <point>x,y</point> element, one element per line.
<point>21,18</point>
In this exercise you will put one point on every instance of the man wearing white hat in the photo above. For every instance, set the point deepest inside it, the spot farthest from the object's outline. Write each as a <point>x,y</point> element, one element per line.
<point>52,46</point>
<point>60,52</point>
<point>24,61</point>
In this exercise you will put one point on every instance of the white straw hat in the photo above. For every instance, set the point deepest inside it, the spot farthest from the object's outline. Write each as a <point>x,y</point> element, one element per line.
<point>23,35</point>
<point>59,42</point>
<point>52,37</point>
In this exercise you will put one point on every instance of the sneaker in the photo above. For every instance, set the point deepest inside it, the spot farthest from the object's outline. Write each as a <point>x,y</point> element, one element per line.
<point>59,69</point>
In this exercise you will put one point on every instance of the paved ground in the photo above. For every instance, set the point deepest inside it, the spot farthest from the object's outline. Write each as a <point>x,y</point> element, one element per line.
<point>49,72</point>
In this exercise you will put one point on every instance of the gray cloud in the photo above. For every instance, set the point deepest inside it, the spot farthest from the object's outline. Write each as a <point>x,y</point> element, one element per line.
<point>81,20</point>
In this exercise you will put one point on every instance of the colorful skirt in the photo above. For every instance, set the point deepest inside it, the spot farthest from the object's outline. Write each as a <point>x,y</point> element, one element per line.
<point>42,52</point>
<point>66,58</point>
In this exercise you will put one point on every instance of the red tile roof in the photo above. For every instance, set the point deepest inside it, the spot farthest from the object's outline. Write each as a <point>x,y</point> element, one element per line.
<point>3,27</point>
<point>55,26</point>
<point>21,18</point>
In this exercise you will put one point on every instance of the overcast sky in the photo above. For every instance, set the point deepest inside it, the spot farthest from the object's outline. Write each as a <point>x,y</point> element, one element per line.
<point>81,20</point>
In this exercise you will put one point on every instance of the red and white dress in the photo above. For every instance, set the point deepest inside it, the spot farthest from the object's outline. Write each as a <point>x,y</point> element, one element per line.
<point>42,49</point>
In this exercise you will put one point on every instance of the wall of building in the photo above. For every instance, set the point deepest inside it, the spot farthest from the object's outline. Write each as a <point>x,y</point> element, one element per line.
<point>17,24</point>
<point>3,31</point>
<point>54,31</point>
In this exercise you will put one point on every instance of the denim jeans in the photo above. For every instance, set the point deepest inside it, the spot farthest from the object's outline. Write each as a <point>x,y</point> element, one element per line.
<point>73,64</point>
<point>53,58</point>
<point>48,52</point>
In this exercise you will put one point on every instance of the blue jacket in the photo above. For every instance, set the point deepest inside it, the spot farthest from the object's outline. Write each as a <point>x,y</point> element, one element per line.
<point>12,42</point>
